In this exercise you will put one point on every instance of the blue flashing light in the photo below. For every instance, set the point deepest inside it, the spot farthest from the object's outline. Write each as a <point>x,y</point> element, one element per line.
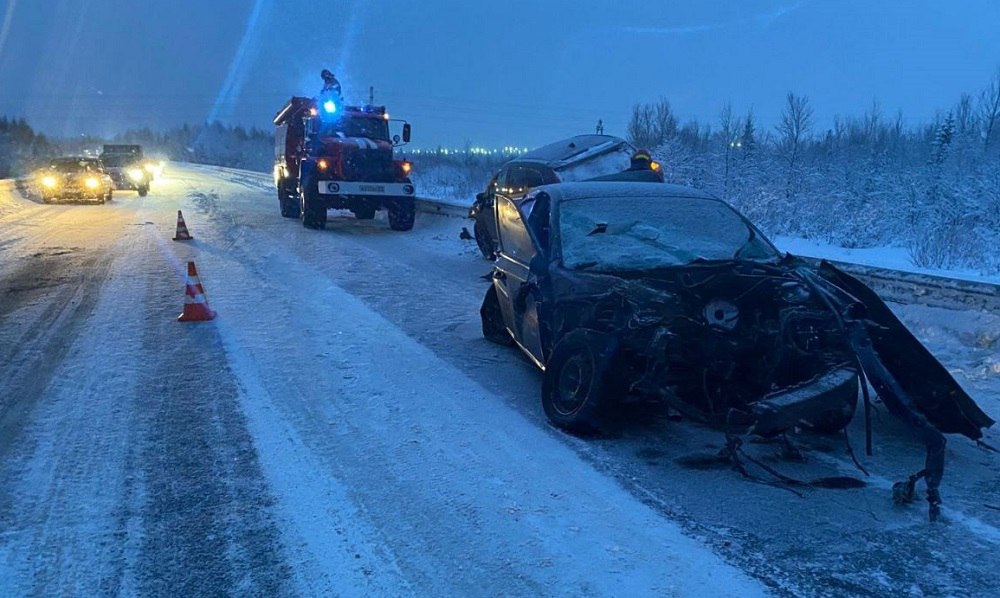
<point>330,106</point>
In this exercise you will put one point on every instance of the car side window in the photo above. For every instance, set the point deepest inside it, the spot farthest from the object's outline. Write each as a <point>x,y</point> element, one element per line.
<point>515,240</point>
<point>523,179</point>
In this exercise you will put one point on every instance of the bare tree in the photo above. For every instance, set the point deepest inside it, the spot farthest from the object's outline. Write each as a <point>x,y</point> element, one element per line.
<point>989,110</point>
<point>794,127</point>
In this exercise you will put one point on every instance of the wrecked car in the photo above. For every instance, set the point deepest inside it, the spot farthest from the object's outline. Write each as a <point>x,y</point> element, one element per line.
<point>625,292</point>
<point>574,159</point>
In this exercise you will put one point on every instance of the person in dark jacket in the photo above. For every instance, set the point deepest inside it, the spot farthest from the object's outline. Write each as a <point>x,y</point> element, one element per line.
<point>641,170</point>
<point>330,83</point>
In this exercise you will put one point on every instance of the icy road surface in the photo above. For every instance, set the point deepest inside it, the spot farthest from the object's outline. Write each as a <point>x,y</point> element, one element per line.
<point>343,429</point>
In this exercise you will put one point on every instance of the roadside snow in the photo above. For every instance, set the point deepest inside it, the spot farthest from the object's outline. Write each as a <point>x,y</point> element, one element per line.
<point>892,258</point>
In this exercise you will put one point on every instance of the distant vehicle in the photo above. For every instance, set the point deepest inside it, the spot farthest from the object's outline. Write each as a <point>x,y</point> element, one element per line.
<point>74,178</point>
<point>574,159</point>
<point>332,156</point>
<point>627,292</point>
<point>125,165</point>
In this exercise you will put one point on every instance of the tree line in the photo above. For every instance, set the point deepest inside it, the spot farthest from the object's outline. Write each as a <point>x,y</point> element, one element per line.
<point>869,180</point>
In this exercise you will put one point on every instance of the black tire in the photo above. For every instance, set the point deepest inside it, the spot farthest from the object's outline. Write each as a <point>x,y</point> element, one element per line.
<point>311,210</point>
<point>574,386</point>
<point>484,240</point>
<point>109,195</point>
<point>364,212</point>
<point>288,200</point>
<point>143,190</point>
<point>402,213</point>
<point>492,317</point>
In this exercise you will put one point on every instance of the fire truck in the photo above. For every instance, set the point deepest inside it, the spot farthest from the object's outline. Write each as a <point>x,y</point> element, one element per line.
<point>333,156</point>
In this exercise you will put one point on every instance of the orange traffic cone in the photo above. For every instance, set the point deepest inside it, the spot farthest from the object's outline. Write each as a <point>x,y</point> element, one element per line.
<point>182,229</point>
<point>195,305</point>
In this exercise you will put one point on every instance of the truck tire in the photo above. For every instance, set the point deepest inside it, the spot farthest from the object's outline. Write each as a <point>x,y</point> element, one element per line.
<point>402,213</point>
<point>312,210</point>
<point>287,200</point>
<point>575,382</point>
<point>143,190</point>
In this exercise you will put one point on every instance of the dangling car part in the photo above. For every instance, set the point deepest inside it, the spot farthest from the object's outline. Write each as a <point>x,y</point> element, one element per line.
<point>628,292</point>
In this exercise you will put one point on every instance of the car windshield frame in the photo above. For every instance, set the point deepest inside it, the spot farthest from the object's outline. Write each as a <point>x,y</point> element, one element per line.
<point>356,126</point>
<point>636,232</point>
<point>119,160</point>
<point>65,165</point>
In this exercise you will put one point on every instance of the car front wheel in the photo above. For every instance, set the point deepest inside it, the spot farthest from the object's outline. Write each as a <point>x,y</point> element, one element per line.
<point>574,387</point>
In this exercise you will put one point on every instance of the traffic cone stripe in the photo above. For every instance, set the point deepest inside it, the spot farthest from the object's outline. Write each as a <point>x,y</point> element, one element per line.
<point>195,303</point>
<point>182,233</point>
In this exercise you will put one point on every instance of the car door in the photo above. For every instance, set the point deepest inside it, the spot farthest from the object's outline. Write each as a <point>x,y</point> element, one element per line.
<point>516,289</point>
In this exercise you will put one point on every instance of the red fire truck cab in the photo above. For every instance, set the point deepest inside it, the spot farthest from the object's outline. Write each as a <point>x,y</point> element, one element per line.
<point>332,156</point>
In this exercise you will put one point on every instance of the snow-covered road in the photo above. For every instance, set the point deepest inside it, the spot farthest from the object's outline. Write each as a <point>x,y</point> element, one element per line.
<point>343,429</point>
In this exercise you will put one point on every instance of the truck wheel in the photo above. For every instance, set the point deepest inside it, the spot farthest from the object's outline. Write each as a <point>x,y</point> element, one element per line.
<point>364,213</point>
<point>312,211</point>
<point>402,212</point>
<point>493,326</point>
<point>288,200</point>
<point>484,241</point>
<point>143,190</point>
<point>575,382</point>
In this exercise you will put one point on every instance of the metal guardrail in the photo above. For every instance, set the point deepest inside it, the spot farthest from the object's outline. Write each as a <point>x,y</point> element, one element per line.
<point>926,289</point>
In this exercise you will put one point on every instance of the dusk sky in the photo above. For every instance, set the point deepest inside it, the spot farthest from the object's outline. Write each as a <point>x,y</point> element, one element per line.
<point>491,73</point>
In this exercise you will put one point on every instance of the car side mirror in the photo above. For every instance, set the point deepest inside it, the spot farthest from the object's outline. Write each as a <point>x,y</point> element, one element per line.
<point>406,133</point>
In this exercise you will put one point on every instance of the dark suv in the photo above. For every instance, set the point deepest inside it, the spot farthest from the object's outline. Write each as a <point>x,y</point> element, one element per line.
<point>575,159</point>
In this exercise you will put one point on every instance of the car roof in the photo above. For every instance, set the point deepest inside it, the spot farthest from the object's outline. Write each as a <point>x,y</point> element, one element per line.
<point>571,150</point>
<point>615,189</point>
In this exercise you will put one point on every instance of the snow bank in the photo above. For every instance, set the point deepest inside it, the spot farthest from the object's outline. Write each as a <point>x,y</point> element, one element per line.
<point>892,258</point>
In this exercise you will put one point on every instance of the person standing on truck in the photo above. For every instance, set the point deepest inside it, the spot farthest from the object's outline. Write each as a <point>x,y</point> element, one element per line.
<point>330,83</point>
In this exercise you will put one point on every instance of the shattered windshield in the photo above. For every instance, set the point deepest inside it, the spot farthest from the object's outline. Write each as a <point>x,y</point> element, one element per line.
<point>637,233</point>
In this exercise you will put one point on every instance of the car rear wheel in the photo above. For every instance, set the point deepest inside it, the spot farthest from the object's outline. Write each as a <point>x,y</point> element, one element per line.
<point>574,386</point>
<point>143,190</point>
<point>484,241</point>
<point>492,317</point>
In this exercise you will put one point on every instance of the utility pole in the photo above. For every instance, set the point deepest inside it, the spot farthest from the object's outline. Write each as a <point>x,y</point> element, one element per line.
<point>371,95</point>
<point>600,126</point>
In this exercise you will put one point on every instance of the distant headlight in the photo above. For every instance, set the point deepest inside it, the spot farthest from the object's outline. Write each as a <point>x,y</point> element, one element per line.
<point>92,183</point>
<point>136,174</point>
<point>50,181</point>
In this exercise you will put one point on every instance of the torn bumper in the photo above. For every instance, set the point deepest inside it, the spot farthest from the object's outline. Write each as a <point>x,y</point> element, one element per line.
<point>829,395</point>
